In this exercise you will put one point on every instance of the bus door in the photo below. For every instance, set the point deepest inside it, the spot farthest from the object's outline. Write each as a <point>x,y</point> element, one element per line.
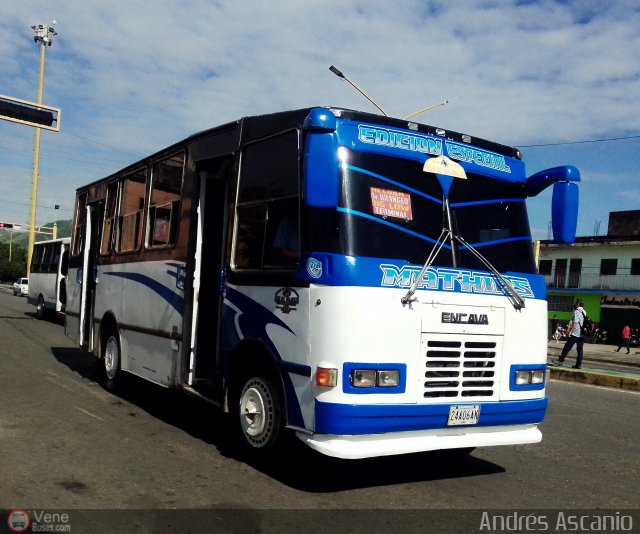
<point>209,274</point>
<point>87,275</point>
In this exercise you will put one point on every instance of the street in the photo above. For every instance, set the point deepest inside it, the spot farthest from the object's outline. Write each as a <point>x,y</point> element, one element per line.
<point>66,443</point>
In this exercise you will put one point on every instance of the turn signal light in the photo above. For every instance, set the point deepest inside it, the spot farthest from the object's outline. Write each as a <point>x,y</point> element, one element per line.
<point>326,377</point>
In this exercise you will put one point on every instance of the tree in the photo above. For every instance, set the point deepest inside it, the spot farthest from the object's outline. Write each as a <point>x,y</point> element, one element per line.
<point>10,271</point>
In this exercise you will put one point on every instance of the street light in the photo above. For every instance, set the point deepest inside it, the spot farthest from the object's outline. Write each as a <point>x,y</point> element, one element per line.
<point>44,37</point>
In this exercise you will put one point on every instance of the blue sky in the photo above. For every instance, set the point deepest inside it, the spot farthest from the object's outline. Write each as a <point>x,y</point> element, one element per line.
<point>132,77</point>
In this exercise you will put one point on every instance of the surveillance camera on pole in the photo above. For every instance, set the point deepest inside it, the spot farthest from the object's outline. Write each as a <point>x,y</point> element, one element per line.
<point>44,33</point>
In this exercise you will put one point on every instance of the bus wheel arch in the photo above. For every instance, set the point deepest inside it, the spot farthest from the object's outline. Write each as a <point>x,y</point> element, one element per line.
<point>256,399</point>
<point>110,357</point>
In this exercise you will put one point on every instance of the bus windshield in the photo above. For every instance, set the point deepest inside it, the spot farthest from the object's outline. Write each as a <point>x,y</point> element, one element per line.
<point>389,208</point>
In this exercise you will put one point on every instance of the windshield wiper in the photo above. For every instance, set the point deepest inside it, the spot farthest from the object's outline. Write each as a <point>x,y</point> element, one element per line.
<point>516,300</point>
<point>437,246</point>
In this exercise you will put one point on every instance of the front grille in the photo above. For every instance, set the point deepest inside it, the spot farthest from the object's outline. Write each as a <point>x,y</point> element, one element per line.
<point>460,368</point>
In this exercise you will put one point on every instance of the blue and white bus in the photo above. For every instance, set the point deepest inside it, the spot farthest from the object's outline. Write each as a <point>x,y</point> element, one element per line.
<point>365,282</point>
<point>47,276</point>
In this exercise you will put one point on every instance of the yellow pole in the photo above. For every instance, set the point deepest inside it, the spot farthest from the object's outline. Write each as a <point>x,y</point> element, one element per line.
<point>36,163</point>
<point>54,231</point>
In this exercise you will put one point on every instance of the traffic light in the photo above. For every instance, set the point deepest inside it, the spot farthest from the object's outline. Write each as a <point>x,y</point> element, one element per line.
<point>6,226</point>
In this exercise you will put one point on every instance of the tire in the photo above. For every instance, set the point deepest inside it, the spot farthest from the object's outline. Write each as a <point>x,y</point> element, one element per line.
<point>109,364</point>
<point>259,414</point>
<point>40,309</point>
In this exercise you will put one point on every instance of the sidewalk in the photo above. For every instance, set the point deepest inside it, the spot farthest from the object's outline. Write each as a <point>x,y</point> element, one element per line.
<point>627,376</point>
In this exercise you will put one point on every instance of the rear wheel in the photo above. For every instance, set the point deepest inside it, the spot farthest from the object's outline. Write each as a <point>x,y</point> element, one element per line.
<point>40,309</point>
<point>259,413</point>
<point>110,358</point>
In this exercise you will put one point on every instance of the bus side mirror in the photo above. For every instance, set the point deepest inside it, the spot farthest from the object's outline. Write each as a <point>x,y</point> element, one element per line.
<point>564,211</point>
<point>321,166</point>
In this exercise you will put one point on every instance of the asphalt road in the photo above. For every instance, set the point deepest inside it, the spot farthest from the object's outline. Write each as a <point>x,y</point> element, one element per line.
<point>65,443</point>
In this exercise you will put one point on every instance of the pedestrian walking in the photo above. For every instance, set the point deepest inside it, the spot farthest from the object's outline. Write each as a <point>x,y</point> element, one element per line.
<point>574,337</point>
<point>625,338</point>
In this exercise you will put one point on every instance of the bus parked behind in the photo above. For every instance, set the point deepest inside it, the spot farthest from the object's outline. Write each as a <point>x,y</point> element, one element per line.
<point>47,278</point>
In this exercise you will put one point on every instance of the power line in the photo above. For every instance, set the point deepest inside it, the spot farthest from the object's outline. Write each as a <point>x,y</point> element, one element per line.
<point>583,142</point>
<point>38,205</point>
<point>103,144</point>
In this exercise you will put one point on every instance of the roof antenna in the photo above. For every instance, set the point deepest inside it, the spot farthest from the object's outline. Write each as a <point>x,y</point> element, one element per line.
<point>340,75</point>
<point>428,108</point>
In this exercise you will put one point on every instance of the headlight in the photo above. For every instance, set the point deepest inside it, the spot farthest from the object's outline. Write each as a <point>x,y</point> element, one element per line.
<point>388,379</point>
<point>537,376</point>
<point>363,378</point>
<point>370,378</point>
<point>531,376</point>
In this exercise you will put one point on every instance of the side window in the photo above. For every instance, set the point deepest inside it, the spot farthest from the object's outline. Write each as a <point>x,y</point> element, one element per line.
<point>46,257</point>
<point>109,225</point>
<point>268,214</point>
<point>35,259</point>
<point>134,187</point>
<point>164,208</point>
<point>608,266</point>
<point>55,258</point>
<point>81,221</point>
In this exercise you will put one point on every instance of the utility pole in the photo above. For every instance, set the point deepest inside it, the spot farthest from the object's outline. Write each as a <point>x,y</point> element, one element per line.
<point>43,37</point>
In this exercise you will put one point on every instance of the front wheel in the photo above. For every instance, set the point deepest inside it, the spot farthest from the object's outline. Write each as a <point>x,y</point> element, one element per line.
<point>109,364</point>
<point>258,413</point>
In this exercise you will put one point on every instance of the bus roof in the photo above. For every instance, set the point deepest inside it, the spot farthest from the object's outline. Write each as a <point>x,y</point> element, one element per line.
<point>63,240</point>
<point>256,126</point>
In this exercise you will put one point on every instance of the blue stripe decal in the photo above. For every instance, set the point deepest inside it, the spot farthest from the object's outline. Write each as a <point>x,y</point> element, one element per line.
<point>359,419</point>
<point>339,270</point>
<point>387,223</point>
<point>497,242</point>
<point>425,238</point>
<point>393,182</point>
<point>252,321</point>
<point>296,368</point>
<point>482,202</point>
<point>172,298</point>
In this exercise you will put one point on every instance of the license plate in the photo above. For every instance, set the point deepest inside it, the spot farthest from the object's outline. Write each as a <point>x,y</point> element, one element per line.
<point>464,415</point>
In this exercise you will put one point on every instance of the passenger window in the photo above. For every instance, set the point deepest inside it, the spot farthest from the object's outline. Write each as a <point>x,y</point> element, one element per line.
<point>109,229</point>
<point>81,219</point>
<point>164,208</point>
<point>131,210</point>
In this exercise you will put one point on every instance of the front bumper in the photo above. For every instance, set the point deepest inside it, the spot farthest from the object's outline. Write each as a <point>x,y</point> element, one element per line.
<point>366,430</point>
<point>372,445</point>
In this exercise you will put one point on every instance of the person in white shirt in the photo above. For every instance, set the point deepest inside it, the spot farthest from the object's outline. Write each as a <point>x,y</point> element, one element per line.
<point>574,337</point>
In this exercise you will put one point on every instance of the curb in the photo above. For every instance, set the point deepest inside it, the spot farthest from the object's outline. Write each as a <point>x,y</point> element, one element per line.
<point>627,382</point>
